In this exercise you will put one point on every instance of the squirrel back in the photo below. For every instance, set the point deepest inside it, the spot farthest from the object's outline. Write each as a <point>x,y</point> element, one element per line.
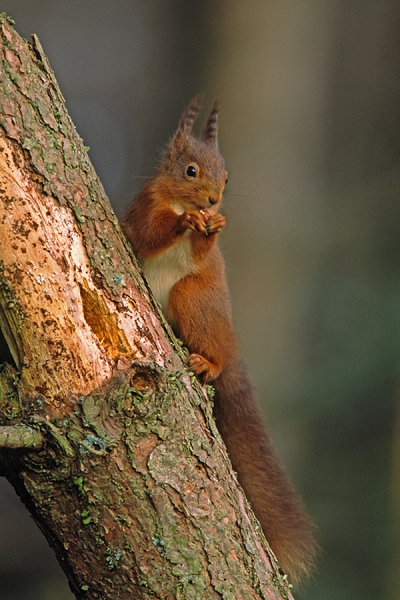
<point>173,226</point>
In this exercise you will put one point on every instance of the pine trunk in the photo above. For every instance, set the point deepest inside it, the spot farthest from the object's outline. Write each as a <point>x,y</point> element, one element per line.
<point>107,439</point>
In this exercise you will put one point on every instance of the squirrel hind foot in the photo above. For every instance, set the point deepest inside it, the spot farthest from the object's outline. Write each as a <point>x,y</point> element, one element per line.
<point>204,369</point>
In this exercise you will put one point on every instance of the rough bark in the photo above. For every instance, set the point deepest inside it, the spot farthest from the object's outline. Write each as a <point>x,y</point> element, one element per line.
<point>108,440</point>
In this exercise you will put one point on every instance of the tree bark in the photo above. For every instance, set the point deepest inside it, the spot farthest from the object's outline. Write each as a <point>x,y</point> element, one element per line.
<point>105,436</point>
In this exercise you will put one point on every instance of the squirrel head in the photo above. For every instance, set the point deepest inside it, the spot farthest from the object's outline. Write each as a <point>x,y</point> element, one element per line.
<point>193,166</point>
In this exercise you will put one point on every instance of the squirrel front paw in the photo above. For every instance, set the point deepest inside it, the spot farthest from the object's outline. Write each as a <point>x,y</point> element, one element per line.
<point>215,223</point>
<point>193,219</point>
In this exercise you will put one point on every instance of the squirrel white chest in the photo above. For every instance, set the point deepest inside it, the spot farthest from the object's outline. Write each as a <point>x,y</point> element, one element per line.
<point>168,267</point>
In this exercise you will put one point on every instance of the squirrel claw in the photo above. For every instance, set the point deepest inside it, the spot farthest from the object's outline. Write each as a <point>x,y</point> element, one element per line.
<point>194,220</point>
<point>202,368</point>
<point>216,223</point>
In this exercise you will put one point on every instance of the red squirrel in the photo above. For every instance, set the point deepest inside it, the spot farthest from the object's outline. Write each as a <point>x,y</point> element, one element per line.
<point>173,227</point>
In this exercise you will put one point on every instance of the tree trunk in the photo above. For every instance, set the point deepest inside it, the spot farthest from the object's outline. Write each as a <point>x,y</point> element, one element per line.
<point>108,440</point>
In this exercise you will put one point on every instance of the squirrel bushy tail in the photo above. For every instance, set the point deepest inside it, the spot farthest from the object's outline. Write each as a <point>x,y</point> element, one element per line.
<point>271,495</point>
<point>173,226</point>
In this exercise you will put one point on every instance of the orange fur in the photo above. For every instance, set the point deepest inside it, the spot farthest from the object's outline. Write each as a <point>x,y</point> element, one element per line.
<point>173,226</point>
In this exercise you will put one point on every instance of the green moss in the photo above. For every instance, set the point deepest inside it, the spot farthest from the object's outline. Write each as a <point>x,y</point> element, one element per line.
<point>281,585</point>
<point>86,518</point>
<point>4,15</point>
<point>8,44</point>
<point>79,484</point>
<point>10,401</point>
<point>79,214</point>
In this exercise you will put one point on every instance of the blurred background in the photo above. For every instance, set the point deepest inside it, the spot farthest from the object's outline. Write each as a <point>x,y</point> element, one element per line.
<point>310,129</point>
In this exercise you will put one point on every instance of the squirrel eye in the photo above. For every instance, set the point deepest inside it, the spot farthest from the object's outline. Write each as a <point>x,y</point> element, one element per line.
<point>226,180</point>
<point>191,171</point>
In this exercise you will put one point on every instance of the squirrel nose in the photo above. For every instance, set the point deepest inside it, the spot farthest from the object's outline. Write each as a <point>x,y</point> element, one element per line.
<point>213,200</point>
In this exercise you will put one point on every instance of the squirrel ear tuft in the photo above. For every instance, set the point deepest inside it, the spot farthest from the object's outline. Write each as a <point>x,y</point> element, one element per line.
<point>190,114</point>
<point>179,139</point>
<point>210,130</point>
